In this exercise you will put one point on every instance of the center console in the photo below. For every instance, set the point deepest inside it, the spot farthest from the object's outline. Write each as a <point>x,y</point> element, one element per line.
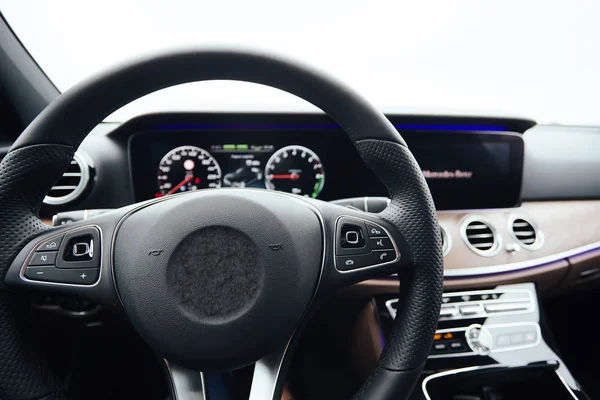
<point>491,344</point>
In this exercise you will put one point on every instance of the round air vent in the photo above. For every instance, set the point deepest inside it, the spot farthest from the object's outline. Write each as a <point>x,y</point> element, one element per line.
<point>446,241</point>
<point>72,184</point>
<point>525,233</point>
<point>480,236</point>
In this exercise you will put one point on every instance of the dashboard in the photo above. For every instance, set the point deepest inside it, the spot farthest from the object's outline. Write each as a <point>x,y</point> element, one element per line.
<point>493,182</point>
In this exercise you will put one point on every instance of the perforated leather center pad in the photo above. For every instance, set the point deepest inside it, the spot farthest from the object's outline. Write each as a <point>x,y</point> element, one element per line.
<point>214,280</point>
<point>214,272</point>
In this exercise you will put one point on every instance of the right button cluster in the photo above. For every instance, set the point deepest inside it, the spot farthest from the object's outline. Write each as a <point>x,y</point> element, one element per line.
<point>361,244</point>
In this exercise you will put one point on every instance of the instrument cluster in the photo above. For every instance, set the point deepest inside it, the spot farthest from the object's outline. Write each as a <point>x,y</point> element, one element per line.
<point>294,169</point>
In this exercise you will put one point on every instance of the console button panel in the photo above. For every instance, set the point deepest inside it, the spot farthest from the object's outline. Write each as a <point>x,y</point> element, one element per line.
<point>482,340</point>
<point>484,322</point>
<point>480,304</point>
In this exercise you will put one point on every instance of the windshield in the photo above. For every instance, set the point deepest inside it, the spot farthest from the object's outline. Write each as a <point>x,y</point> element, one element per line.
<point>536,59</point>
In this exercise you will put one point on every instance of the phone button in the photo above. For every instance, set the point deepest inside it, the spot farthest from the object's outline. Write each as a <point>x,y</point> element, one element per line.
<point>381,256</point>
<point>382,243</point>
<point>347,263</point>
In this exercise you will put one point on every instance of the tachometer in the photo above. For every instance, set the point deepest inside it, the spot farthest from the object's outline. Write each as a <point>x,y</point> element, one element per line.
<point>295,169</point>
<point>188,168</point>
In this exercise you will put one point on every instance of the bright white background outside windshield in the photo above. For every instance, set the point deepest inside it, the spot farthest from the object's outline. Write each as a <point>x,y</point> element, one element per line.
<point>538,59</point>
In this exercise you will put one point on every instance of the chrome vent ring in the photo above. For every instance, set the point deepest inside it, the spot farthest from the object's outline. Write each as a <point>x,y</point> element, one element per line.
<point>446,241</point>
<point>480,236</point>
<point>525,232</point>
<point>72,184</point>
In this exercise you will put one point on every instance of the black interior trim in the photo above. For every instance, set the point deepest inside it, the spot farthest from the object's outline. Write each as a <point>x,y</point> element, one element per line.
<point>27,87</point>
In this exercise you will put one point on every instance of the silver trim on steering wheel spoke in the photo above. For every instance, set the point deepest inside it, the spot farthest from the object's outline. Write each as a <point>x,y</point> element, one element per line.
<point>186,384</point>
<point>267,374</point>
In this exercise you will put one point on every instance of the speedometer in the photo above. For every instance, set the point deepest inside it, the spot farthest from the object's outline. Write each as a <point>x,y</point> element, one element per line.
<point>295,169</point>
<point>188,168</point>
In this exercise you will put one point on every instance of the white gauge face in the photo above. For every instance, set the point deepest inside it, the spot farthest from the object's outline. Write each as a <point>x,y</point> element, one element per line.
<point>295,169</point>
<point>188,168</point>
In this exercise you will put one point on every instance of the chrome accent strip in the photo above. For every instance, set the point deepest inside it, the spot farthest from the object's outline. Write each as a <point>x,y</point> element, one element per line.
<point>266,374</point>
<point>539,235</point>
<point>539,262</point>
<point>62,233</point>
<point>398,255</point>
<point>567,386</point>
<point>497,238</point>
<point>79,158</point>
<point>185,383</point>
<point>447,373</point>
<point>476,368</point>
<point>507,306</point>
<point>447,246</point>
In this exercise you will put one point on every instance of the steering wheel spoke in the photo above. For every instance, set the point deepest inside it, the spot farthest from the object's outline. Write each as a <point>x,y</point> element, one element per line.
<point>267,380</point>
<point>269,375</point>
<point>186,384</point>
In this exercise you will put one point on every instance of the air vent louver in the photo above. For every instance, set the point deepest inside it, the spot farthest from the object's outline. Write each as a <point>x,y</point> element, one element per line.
<point>71,185</point>
<point>525,232</point>
<point>480,237</point>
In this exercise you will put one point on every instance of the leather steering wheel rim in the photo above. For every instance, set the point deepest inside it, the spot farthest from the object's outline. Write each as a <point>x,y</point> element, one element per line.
<point>44,150</point>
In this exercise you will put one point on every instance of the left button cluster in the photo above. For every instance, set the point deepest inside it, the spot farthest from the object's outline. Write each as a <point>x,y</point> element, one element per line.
<point>72,258</point>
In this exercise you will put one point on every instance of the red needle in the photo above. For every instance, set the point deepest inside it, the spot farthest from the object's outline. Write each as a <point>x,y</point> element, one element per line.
<point>183,182</point>
<point>293,176</point>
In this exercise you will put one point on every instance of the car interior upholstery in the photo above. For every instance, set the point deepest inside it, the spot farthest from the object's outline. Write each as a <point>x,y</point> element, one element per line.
<point>345,253</point>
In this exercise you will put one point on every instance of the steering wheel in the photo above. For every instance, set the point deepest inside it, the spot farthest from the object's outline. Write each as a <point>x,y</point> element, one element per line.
<point>217,279</point>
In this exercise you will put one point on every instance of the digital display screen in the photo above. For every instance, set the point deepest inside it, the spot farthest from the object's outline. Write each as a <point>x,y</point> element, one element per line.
<point>245,163</point>
<point>463,170</point>
<point>479,172</point>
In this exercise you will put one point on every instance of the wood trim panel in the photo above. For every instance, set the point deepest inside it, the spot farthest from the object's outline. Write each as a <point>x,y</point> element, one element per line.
<point>565,225</point>
<point>547,279</point>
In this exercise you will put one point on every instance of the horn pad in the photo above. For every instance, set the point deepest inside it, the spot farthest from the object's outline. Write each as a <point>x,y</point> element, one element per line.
<point>216,279</point>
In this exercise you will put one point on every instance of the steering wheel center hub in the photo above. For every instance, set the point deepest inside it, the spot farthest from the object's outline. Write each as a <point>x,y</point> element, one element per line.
<point>199,272</point>
<point>215,273</point>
